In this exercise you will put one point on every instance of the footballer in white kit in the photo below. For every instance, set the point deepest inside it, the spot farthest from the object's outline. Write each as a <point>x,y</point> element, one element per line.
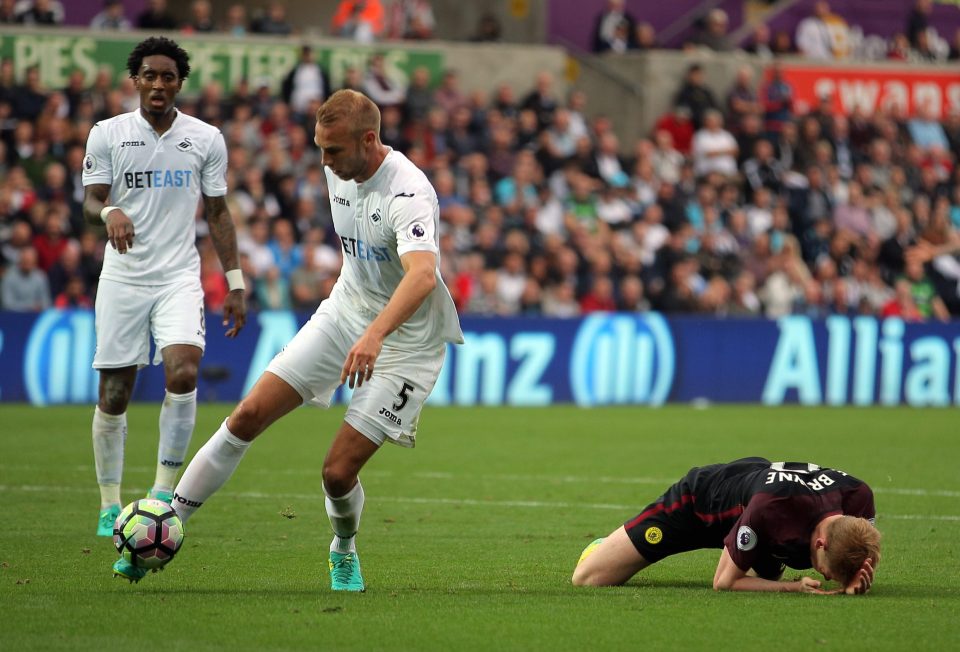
<point>384,329</point>
<point>144,174</point>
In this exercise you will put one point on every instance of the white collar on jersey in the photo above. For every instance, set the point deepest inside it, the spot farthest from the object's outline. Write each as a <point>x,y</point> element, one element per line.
<point>373,180</point>
<point>143,121</point>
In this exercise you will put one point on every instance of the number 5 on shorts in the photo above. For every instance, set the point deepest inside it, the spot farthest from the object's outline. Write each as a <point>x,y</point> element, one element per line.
<point>404,396</point>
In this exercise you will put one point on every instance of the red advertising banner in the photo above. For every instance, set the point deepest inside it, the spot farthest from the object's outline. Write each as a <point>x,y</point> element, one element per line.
<point>900,90</point>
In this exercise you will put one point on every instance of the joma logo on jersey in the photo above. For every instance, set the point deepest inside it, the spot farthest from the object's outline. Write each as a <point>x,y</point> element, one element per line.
<point>341,201</point>
<point>363,251</point>
<point>158,179</point>
<point>133,143</point>
<point>390,415</point>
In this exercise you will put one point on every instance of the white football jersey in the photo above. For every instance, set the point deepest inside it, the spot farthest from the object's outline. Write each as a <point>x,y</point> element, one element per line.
<point>157,181</point>
<point>393,212</point>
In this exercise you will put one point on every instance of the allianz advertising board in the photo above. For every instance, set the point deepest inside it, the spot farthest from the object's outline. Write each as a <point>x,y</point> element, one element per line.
<point>602,359</point>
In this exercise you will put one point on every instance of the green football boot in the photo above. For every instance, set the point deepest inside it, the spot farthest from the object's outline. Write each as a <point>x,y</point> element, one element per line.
<point>108,516</point>
<point>126,570</point>
<point>345,572</point>
<point>162,496</point>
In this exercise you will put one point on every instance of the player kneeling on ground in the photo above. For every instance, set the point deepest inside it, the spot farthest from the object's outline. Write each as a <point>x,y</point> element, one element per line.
<point>765,516</point>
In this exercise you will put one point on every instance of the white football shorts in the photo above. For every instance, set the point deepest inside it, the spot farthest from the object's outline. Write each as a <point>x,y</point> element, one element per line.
<point>386,407</point>
<point>127,315</point>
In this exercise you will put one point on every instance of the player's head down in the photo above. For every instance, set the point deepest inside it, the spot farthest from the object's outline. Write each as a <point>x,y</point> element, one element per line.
<point>850,540</point>
<point>348,133</point>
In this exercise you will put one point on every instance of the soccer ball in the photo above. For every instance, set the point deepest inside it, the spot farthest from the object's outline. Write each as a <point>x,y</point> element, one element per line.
<point>148,533</point>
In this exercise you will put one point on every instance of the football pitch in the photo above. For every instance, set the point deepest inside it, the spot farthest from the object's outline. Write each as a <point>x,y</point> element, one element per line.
<point>468,541</point>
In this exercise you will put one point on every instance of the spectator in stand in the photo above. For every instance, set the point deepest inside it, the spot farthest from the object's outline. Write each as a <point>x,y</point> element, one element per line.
<point>713,35</point>
<point>760,42</point>
<point>645,37</point>
<point>777,100</point>
<point>411,20</point>
<point>40,12</point>
<point>488,29</point>
<point>74,295</point>
<point>763,170</point>
<point>24,288</point>
<point>448,95</point>
<point>361,20</point>
<point>380,87</point>
<point>8,13</point>
<point>273,21</point>
<point>50,245</point>
<point>612,19</point>
<point>695,95</point>
<point>814,38</point>
<point>742,100</point>
<point>919,21</point>
<point>954,54</point>
<point>782,44</point>
<point>926,132</point>
<point>420,95</point>
<point>542,100</point>
<point>201,18</point>
<point>714,148</point>
<point>899,49</point>
<point>112,17</point>
<point>679,125</point>
<point>236,24</point>
<point>305,84</point>
<point>156,17</point>
<point>924,294</point>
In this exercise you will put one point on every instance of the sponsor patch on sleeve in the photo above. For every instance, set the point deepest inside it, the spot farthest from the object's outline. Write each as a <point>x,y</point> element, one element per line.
<point>417,231</point>
<point>746,538</point>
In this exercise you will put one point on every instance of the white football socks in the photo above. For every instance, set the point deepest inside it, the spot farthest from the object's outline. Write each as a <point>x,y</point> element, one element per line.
<point>344,513</point>
<point>209,470</point>
<point>177,417</point>
<point>109,435</point>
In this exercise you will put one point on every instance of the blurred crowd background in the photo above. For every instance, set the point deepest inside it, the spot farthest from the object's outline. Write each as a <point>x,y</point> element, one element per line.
<point>732,205</point>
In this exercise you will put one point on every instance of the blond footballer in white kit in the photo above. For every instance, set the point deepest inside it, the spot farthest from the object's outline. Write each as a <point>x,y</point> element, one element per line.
<point>384,329</point>
<point>153,165</point>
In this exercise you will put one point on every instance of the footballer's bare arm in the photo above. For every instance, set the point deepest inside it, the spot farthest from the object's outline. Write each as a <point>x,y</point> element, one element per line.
<point>730,577</point>
<point>119,226</point>
<point>224,238</point>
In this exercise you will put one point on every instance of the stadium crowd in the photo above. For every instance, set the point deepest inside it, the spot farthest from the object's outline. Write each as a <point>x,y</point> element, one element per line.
<point>731,206</point>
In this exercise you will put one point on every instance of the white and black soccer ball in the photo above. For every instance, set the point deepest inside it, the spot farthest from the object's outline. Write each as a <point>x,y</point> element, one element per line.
<point>148,533</point>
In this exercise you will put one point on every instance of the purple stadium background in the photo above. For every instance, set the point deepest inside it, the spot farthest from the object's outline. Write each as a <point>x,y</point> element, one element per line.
<point>573,23</point>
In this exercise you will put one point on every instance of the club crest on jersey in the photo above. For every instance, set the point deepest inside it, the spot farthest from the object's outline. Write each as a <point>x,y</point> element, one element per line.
<point>653,535</point>
<point>746,539</point>
<point>416,231</point>
<point>185,145</point>
<point>89,163</point>
<point>375,216</point>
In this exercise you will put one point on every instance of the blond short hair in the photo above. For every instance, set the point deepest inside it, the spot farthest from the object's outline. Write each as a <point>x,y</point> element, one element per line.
<point>354,107</point>
<point>850,541</point>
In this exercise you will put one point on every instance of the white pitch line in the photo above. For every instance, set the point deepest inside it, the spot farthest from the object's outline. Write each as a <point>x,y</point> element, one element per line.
<point>508,477</point>
<point>467,502</point>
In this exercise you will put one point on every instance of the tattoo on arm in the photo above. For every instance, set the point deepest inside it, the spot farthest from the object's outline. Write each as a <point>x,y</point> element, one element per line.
<point>221,231</point>
<point>94,199</point>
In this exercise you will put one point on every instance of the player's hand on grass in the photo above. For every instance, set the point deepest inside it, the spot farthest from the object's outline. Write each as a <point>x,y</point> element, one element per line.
<point>862,582</point>
<point>119,230</point>
<point>358,366</point>
<point>235,307</point>
<point>809,585</point>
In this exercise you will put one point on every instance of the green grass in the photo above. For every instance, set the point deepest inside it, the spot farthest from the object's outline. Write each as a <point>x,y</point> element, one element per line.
<point>468,541</point>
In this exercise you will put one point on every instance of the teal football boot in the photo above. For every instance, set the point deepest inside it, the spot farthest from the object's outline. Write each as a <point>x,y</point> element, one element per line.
<point>108,516</point>
<point>126,570</point>
<point>345,572</point>
<point>162,496</point>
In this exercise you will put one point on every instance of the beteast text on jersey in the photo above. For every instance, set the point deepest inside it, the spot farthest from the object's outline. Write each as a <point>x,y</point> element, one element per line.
<point>361,250</point>
<point>158,179</point>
